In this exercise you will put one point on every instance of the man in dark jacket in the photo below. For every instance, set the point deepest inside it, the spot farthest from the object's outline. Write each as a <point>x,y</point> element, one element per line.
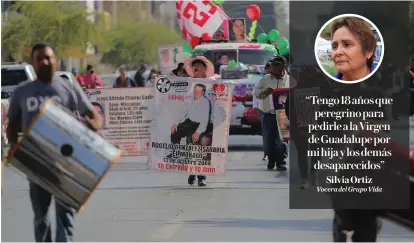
<point>123,80</point>
<point>139,78</point>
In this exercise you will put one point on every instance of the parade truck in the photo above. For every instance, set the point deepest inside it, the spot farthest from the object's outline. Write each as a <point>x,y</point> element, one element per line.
<point>12,74</point>
<point>244,119</point>
<point>242,52</point>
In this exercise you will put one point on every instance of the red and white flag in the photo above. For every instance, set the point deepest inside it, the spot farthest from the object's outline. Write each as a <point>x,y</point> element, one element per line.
<point>198,17</point>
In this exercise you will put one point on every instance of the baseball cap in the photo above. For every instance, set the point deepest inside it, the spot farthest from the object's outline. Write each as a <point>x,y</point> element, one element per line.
<point>278,60</point>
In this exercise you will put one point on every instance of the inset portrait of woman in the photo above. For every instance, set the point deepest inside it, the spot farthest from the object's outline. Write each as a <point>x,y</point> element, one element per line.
<point>99,108</point>
<point>238,29</point>
<point>347,49</point>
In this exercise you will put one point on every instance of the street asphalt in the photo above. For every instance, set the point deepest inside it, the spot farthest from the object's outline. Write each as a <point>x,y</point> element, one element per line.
<point>136,204</point>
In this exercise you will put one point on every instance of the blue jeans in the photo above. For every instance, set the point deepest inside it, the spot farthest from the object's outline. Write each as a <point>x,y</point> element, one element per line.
<point>273,146</point>
<point>41,200</point>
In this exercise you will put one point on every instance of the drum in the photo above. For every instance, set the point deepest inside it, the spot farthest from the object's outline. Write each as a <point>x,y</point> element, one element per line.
<point>62,155</point>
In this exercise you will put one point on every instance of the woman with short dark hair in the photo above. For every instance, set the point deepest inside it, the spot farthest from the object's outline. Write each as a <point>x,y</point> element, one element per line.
<point>353,48</point>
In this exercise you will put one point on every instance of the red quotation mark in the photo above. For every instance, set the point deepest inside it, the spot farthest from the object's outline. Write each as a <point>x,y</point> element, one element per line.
<point>191,8</point>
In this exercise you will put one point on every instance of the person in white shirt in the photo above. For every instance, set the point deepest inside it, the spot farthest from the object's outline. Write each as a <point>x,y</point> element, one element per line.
<point>278,78</point>
<point>257,105</point>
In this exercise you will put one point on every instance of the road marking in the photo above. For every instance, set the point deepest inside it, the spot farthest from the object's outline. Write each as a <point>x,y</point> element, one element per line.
<point>170,228</point>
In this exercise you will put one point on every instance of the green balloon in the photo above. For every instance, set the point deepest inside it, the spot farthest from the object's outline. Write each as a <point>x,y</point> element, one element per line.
<point>187,48</point>
<point>273,35</point>
<point>284,51</point>
<point>282,44</point>
<point>262,38</point>
<point>218,2</point>
<point>231,64</point>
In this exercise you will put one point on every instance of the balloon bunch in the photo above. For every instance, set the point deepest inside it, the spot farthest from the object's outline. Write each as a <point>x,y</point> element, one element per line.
<point>272,36</point>
<point>252,29</point>
<point>253,12</point>
<point>282,44</point>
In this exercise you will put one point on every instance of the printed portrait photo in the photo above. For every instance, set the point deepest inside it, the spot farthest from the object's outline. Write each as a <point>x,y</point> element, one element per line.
<point>195,121</point>
<point>165,56</point>
<point>237,29</point>
<point>349,48</point>
<point>100,109</point>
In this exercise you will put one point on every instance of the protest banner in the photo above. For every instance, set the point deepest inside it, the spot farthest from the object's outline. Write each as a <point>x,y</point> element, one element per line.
<point>127,114</point>
<point>190,127</point>
<point>279,100</point>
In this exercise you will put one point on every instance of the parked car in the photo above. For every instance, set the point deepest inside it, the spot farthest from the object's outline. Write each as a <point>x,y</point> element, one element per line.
<point>404,217</point>
<point>14,74</point>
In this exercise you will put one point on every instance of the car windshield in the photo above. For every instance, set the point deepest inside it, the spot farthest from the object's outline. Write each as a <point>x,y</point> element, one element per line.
<point>11,77</point>
<point>247,57</point>
<point>257,57</point>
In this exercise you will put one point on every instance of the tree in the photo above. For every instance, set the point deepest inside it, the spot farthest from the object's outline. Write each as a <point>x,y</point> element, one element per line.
<point>61,24</point>
<point>134,43</point>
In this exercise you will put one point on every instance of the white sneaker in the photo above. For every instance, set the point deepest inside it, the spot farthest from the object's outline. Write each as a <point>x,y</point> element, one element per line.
<point>202,183</point>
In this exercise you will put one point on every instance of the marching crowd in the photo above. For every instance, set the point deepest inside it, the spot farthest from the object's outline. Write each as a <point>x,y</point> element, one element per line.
<point>44,62</point>
<point>143,77</point>
<point>275,151</point>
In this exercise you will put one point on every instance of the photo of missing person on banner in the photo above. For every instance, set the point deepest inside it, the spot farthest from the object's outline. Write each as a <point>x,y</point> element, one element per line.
<point>238,29</point>
<point>279,100</point>
<point>101,111</point>
<point>194,123</point>
<point>186,120</point>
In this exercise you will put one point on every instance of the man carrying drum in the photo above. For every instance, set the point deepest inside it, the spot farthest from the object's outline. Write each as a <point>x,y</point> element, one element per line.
<point>25,104</point>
